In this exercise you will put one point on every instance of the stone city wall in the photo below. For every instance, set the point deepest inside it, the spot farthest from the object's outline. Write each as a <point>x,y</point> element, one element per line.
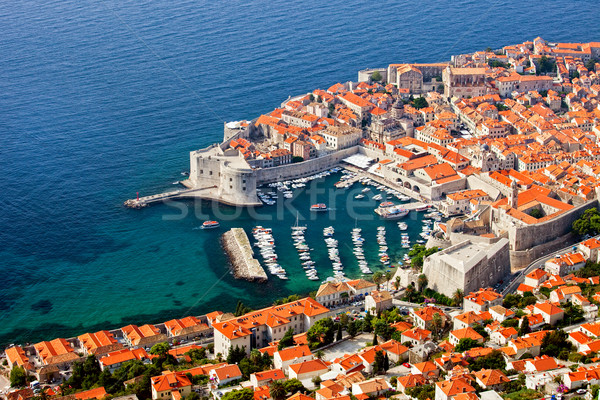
<point>474,182</point>
<point>304,168</point>
<point>523,237</point>
<point>521,259</point>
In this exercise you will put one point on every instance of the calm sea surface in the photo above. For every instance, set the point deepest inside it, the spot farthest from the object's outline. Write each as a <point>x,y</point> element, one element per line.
<point>100,99</point>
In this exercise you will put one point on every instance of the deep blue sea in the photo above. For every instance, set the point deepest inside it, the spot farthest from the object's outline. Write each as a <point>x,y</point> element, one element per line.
<point>100,99</point>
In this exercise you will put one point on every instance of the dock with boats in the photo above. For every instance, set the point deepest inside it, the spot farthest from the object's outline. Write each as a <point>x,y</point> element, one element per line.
<point>241,256</point>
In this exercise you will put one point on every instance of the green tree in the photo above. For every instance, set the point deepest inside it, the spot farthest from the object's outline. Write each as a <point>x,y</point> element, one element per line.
<point>494,360</point>
<point>331,108</point>
<point>277,390</point>
<point>409,292</point>
<point>466,344</point>
<point>241,309</point>
<point>386,362</point>
<point>197,355</point>
<point>397,283</point>
<point>243,394</point>
<point>287,340</point>
<point>422,282</point>
<point>317,381</point>
<point>510,323</point>
<point>420,102</point>
<point>18,377</point>
<point>319,354</point>
<point>421,392</point>
<point>192,396</point>
<point>547,65</point>
<point>85,374</point>
<point>236,354</point>
<point>457,298</point>
<point>480,329</point>
<point>353,328</point>
<point>536,213</point>
<point>590,65</point>
<point>293,386</point>
<point>524,328</point>
<point>367,323</point>
<point>554,342</point>
<point>344,320</point>
<point>418,253</point>
<point>338,336</point>
<point>379,362</point>
<point>375,340</point>
<point>440,89</point>
<point>160,349</point>
<point>321,332</point>
<point>297,159</point>
<point>382,328</point>
<point>376,76</point>
<point>378,278</point>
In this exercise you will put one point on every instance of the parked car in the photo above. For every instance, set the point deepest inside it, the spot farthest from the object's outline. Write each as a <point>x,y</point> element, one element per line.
<point>407,365</point>
<point>581,391</point>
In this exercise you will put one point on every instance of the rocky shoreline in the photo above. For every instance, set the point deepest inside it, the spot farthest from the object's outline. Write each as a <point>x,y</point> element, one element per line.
<point>241,256</point>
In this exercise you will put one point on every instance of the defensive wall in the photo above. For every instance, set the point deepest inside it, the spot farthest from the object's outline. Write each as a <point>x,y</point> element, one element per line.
<point>523,237</point>
<point>304,168</point>
<point>522,258</point>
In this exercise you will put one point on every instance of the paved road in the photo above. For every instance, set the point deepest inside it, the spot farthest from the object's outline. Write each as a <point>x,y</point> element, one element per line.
<point>539,263</point>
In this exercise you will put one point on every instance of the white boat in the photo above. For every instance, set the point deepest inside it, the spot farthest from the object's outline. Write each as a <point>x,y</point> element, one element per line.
<point>210,225</point>
<point>320,207</point>
<point>377,197</point>
<point>359,196</point>
<point>392,212</point>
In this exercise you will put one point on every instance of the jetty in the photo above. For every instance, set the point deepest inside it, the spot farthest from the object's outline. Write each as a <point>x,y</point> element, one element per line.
<point>241,256</point>
<point>207,193</point>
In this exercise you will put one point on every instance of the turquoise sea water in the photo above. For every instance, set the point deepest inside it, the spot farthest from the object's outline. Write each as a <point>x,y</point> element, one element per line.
<point>100,99</point>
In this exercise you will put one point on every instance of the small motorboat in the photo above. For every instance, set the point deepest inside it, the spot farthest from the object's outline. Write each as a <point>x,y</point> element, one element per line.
<point>210,225</point>
<point>318,207</point>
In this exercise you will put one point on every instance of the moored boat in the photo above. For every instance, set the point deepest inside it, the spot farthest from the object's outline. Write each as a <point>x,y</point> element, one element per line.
<point>393,212</point>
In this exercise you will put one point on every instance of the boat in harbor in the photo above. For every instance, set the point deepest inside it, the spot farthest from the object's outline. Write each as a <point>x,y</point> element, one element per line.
<point>359,196</point>
<point>393,212</point>
<point>377,197</point>
<point>320,207</point>
<point>386,204</point>
<point>402,226</point>
<point>210,225</point>
<point>424,207</point>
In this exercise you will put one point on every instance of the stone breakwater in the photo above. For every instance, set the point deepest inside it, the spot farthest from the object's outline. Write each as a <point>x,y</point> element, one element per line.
<point>241,256</point>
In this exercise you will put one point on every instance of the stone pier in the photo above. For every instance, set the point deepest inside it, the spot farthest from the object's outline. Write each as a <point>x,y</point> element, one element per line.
<point>241,256</point>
